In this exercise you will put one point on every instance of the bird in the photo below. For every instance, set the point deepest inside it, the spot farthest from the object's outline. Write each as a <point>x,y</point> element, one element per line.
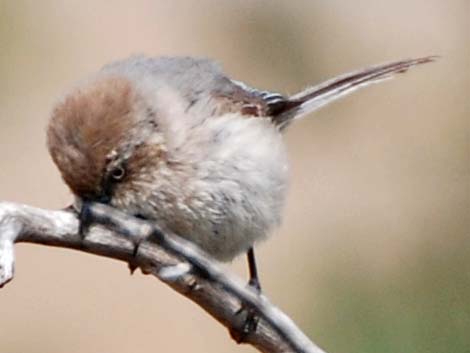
<point>175,141</point>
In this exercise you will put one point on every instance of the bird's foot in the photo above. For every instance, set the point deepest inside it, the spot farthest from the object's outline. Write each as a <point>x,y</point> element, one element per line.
<point>246,324</point>
<point>246,317</point>
<point>85,220</point>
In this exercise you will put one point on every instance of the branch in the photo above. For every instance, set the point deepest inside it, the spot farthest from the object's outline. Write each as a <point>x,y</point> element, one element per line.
<point>173,260</point>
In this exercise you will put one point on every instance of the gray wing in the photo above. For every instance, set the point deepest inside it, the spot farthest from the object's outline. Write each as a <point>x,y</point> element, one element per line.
<point>202,81</point>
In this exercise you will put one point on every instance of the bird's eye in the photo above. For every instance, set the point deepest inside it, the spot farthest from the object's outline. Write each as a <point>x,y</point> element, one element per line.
<point>118,173</point>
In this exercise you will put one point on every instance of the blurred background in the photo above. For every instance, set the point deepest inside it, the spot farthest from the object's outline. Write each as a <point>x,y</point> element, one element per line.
<point>374,252</point>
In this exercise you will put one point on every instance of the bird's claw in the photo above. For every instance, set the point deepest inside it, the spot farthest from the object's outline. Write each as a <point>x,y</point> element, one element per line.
<point>85,220</point>
<point>247,321</point>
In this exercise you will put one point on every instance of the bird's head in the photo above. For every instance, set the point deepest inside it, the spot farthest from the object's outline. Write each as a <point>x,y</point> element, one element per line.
<point>98,138</point>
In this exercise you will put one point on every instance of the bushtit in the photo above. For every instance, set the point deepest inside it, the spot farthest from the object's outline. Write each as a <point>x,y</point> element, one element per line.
<point>175,141</point>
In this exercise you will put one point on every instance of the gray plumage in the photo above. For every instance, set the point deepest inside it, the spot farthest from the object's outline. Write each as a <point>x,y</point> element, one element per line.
<point>203,154</point>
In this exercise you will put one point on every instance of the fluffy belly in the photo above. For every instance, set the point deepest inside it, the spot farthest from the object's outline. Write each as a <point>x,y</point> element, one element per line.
<point>239,189</point>
<point>223,186</point>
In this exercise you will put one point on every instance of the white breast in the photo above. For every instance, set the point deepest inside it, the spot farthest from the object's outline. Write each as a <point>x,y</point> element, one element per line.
<point>238,189</point>
<point>225,181</point>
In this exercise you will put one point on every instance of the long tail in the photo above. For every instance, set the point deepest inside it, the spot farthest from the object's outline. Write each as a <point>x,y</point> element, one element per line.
<point>316,97</point>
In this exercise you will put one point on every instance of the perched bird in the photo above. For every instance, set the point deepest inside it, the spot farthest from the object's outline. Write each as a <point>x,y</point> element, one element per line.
<point>175,141</point>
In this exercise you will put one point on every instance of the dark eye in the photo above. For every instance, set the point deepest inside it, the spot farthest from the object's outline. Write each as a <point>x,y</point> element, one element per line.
<point>118,173</point>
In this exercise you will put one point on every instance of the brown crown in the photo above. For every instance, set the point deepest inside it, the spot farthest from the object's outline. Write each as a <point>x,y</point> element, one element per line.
<point>85,128</point>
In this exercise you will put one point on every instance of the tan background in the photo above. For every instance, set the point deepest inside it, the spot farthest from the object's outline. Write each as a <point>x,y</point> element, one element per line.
<point>374,252</point>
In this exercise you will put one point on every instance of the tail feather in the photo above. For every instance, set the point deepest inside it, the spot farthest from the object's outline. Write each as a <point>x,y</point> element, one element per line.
<point>318,96</point>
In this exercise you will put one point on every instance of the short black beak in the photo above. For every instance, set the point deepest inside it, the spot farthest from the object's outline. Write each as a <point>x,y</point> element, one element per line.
<point>105,198</point>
